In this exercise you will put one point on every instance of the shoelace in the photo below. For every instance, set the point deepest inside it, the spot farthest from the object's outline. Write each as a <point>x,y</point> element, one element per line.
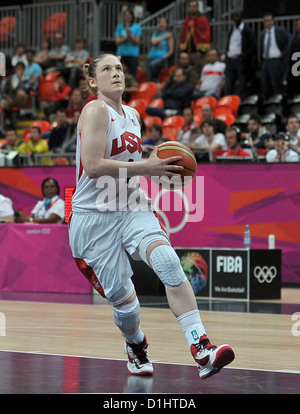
<point>140,351</point>
<point>204,344</point>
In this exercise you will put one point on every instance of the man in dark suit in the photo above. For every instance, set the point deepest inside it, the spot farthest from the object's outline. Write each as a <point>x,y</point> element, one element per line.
<point>274,46</point>
<point>240,56</point>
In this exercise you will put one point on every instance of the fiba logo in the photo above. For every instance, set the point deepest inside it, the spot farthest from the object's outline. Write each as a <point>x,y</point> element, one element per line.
<point>195,269</point>
<point>265,274</point>
<point>229,264</point>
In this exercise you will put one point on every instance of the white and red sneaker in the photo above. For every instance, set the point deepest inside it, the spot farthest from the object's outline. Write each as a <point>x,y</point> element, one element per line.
<point>138,358</point>
<point>211,358</point>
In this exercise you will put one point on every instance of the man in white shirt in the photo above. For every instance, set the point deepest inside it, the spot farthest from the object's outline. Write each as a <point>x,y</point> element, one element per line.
<point>293,129</point>
<point>212,77</point>
<point>274,46</point>
<point>281,152</point>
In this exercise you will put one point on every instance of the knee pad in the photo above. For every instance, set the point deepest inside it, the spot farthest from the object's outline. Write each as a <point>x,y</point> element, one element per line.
<point>127,316</point>
<point>166,265</point>
<point>148,240</point>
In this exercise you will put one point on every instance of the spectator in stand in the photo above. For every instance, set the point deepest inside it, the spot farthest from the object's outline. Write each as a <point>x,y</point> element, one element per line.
<point>208,114</point>
<point>33,70</point>
<point>36,145</point>
<point>293,84</point>
<point>195,37</point>
<point>69,143</point>
<point>58,53</point>
<point>281,152</point>
<point>61,96</point>
<point>83,89</point>
<point>177,97</point>
<point>212,77</point>
<point>59,133</point>
<point>15,91</point>
<point>293,130</point>
<point>240,57</point>
<point>13,141</point>
<point>42,56</point>
<point>74,61</point>
<point>209,140</point>
<point>233,141</point>
<point>131,84</point>
<point>161,48</point>
<point>51,209</point>
<point>275,42</point>
<point>184,133</point>
<point>76,103</point>
<point>127,37</point>
<point>156,136</point>
<point>19,55</point>
<point>257,135</point>
<point>191,73</point>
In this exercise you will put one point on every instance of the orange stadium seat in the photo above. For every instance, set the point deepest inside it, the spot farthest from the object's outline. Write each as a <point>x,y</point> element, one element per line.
<point>46,86</point>
<point>43,125</point>
<point>139,104</point>
<point>223,110</point>
<point>45,91</point>
<point>56,22</point>
<point>211,100</point>
<point>170,131</point>
<point>7,26</point>
<point>156,103</point>
<point>227,118</point>
<point>174,120</point>
<point>146,90</point>
<point>198,118</point>
<point>150,120</point>
<point>51,77</point>
<point>231,101</point>
<point>164,74</point>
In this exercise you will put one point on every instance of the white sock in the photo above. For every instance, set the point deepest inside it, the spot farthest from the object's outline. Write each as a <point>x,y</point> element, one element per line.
<point>192,326</point>
<point>136,338</point>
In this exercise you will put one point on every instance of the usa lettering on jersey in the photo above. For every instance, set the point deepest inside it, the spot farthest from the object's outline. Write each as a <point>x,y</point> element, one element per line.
<point>127,141</point>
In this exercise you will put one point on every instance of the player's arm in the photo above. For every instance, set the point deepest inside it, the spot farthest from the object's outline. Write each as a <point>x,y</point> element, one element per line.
<point>93,126</point>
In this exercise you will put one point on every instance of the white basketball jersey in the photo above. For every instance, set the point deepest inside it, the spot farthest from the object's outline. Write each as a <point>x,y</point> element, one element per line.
<point>105,194</point>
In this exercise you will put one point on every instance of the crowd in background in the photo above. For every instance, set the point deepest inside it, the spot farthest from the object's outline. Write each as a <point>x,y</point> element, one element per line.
<point>201,71</point>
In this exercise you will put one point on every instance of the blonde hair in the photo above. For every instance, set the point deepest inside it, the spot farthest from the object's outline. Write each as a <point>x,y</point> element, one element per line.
<point>89,69</point>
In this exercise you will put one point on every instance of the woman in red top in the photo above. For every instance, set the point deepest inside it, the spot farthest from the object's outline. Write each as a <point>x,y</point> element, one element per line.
<point>60,97</point>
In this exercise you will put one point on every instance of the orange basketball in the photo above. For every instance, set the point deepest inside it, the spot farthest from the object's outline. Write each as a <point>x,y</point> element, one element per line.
<point>188,161</point>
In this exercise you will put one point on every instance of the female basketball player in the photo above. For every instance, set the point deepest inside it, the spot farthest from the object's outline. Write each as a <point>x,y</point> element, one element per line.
<point>103,226</point>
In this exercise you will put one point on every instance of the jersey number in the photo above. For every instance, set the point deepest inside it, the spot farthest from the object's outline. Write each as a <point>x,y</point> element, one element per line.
<point>129,142</point>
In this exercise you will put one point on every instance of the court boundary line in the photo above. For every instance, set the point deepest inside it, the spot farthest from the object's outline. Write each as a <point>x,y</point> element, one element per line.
<point>297,372</point>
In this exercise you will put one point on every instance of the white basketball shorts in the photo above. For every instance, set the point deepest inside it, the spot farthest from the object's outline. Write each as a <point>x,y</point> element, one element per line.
<point>99,242</point>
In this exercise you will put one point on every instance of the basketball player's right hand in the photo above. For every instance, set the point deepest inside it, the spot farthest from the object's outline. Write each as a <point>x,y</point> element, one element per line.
<point>159,167</point>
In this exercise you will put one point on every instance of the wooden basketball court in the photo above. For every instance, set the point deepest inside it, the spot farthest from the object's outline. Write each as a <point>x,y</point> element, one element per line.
<point>62,344</point>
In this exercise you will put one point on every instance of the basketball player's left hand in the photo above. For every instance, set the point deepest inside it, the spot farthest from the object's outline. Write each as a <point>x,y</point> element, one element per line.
<point>163,167</point>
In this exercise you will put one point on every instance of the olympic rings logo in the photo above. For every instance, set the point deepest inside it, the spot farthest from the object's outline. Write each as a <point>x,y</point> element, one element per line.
<point>193,211</point>
<point>265,273</point>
